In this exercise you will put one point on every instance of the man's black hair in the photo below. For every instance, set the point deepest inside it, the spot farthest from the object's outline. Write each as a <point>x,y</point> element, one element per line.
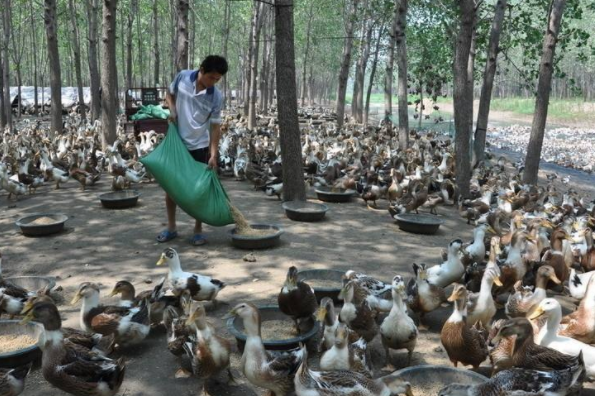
<point>214,63</point>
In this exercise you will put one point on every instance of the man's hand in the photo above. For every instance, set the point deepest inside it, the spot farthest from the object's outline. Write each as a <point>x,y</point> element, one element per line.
<point>212,164</point>
<point>173,117</point>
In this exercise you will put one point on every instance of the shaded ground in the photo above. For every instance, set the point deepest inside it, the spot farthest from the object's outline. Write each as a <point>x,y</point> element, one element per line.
<point>106,246</point>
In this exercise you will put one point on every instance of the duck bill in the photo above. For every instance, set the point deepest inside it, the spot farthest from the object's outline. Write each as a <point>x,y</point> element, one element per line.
<point>555,279</point>
<point>161,260</point>
<point>76,298</point>
<point>230,314</point>
<point>452,298</point>
<point>28,318</point>
<point>497,281</point>
<point>27,307</point>
<point>491,230</point>
<point>321,314</point>
<point>496,339</point>
<point>192,318</point>
<point>113,293</point>
<point>537,313</point>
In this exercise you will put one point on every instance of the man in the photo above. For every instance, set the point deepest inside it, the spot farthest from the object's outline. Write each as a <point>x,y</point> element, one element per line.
<point>195,105</point>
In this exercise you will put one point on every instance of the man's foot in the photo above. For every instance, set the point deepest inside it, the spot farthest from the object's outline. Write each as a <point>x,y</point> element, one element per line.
<point>166,236</point>
<point>198,240</point>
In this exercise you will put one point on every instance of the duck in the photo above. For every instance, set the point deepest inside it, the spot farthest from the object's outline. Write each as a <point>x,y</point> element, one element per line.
<point>157,298</point>
<point>398,330</point>
<point>209,353</point>
<point>68,370</point>
<point>577,283</point>
<point>357,315</point>
<point>14,297</point>
<point>475,252</point>
<point>308,382</point>
<point>422,296</point>
<point>555,256</point>
<point>514,267</point>
<point>463,343</point>
<point>519,382</point>
<point>451,270</point>
<point>520,303</point>
<point>177,332</point>
<point>481,306</point>
<point>13,187</point>
<point>344,355</point>
<point>329,319</point>
<point>96,343</point>
<point>371,285</point>
<point>548,335</point>
<point>580,324</point>
<point>33,182</point>
<point>297,300</point>
<point>200,287</point>
<point>12,381</point>
<point>129,325</point>
<point>263,369</point>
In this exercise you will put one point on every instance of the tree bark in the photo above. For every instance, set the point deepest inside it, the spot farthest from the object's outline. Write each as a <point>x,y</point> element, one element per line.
<point>182,35</point>
<point>372,75</point>
<point>306,53</point>
<point>388,76</point>
<point>253,86</point>
<point>34,45</point>
<point>109,73</point>
<point>362,62</point>
<point>401,43</point>
<point>544,84</point>
<point>129,24</point>
<point>226,30</point>
<point>156,52</point>
<point>346,62</point>
<point>463,95</point>
<point>7,19</point>
<point>488,81</point>
<point>77,58</point>
<point>94,78</point>
<point>2,90</point>
<point>266,66</point>
<point>289,131</point>
<point>51,31</point>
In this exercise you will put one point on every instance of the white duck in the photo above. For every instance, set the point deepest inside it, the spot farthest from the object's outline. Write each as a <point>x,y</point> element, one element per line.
<point>481,306</point>
<point>577,283</point>
<point>449,271</point>
<point>200,287</point>
<point>548,335</point>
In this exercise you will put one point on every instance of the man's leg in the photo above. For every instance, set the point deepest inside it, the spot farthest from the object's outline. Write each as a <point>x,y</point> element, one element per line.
<point>198,227</point>
<point>171,213</point>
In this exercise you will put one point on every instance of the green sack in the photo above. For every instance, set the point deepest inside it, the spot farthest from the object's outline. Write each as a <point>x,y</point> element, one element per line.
<point>191,184</point>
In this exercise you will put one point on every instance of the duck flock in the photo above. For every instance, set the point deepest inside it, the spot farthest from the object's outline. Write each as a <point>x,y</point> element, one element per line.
<point>531,243</point>
<point>568,147</point>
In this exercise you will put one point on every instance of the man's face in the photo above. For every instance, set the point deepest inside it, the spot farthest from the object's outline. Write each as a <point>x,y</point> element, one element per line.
<point>208,80</point>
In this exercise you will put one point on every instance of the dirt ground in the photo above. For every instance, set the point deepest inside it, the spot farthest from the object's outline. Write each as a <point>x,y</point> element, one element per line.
<point>105,246</point>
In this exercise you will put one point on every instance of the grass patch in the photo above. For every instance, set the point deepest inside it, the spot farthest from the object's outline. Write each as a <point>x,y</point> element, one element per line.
<point>563,109</point>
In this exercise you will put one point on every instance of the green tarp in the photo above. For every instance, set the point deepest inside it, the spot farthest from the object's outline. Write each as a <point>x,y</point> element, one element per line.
<point>191,184</point>
<point>150,111</point>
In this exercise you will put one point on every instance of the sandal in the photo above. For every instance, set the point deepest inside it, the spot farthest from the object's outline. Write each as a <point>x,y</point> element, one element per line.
<point>198,240</point>
<point>166,236</point>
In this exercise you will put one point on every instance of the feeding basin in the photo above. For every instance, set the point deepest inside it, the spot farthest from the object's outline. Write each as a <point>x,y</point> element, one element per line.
<point>337,195</point>
<point>418,223</point>
<point>304,211</point>
<point>27,353</point>
<point>325,282</point>
<point>33,283</point>
<point>428,380</point>
<point>42,224</point>
<point>119,199</point>
<point>264,236</point>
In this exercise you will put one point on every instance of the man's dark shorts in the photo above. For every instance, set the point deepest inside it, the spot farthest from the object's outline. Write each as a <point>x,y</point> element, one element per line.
<point>200,155</point>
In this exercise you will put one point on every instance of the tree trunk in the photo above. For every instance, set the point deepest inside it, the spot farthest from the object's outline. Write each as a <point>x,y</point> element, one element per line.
<point>346,62</point>
<point>156,53</point>
<point>306,53</point>
<point>488,81</point>
<point>266,66</point>
<point>182,35</point>
<point>77,58</point>
<point>51,31</point>
<point>93,67</point>
<point>372,75</point>
<point>226,30</point>
<point>140,50</point>
<point>463,95</point>
<point>7,24</point>
<point>34,47</point>
<point>253,90</point>
<point>388,76</point>
<point>109,74</point>
<point>471,79</point>
<point>2,90</point>
<point>248,64</point>
<point>289,131</point>
<point>546,69</point>
<point>401,43</point>
<point>129,24</point>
